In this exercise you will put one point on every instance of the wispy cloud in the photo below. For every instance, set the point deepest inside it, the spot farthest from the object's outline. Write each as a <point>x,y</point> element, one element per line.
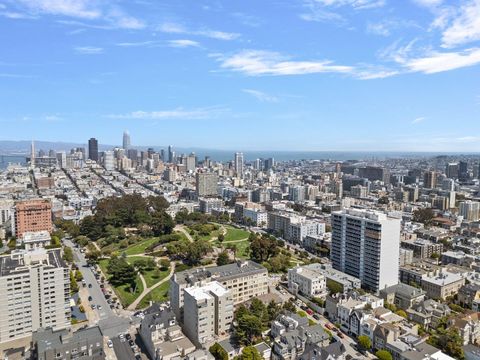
<point>258,62</point>
<point>269,63</point>
<point>176,28</point>
<point>418,120</point>
<point>260,95</point>
<point>324,10</point>
<point>16,76</point>
<point>356,4</point>
<point>88,50</point>
<point>90,10</point>
<point>183,43</point>
<point>436,62</point>
<point>465,27</point>
<point>137,44</point>
<point>386,27</point>
<point>178,113</point>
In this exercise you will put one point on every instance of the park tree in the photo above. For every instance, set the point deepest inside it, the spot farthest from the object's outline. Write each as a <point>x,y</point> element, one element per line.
<point>262,247</point>
<point>121,271</point>
<point>223,258</point>
<point>249,328</point>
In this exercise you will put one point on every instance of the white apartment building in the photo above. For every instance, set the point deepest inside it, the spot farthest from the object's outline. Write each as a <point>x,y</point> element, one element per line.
<point>307,281</point>
<point>366,244</point>
<point>208,312</point>
<point>35,239</point>
<point>294,228</point>
<point>245,280</point>
<point>35,288</point>
<point>470,210</point>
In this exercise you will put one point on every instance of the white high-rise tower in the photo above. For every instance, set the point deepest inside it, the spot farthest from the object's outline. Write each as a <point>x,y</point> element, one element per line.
<point>32,155</point>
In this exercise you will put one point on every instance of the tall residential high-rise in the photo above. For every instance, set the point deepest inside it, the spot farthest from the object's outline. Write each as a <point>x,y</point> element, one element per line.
<point>35,293</point>
<point>93,149</point>
<point>430,179</point>
<point>206,184</point>
<point>191,162</point>
<point>109,160</point>
<point>126,140</point>
<point>366,244</point>
<point>239,165</point>
<point>32,215</point>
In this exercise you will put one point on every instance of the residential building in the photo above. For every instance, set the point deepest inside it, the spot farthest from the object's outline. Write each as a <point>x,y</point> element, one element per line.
<point>162,336</point>
<point>442,285</point>
<point>366,244</point>
<point>208,204</point>
<point>430,180</point>
<point>428,313</point>
<point>239,165</point>
<point>126,141</point>
<point>35,288</point>
<point>32,215</point>
<point>206,184</point>
<point>307,282</point>
<point>84,344</point>
<point>403,296</point>
<point>470,210</point>
<point>208,312</point>
<point>35,240</point>
<point>422,248</point>
<point>245,280</point>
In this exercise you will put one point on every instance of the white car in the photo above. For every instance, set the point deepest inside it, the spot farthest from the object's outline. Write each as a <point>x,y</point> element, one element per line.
<point>110,343</point>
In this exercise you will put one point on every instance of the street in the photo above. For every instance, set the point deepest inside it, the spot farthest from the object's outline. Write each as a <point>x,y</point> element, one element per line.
<point>110,323</point>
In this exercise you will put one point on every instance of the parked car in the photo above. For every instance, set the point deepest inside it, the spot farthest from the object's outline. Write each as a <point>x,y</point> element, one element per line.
<point>110,343</point>
<point>121,337</point>
<point>99,307</point>
<point>316,316</point>
<point>131,343</point>
<point>89,286</point>
<point>90,298</point>
<point>128,336</point>
<point>309,311</point>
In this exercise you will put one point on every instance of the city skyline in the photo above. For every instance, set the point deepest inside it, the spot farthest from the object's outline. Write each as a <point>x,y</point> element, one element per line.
<point>185,75</point>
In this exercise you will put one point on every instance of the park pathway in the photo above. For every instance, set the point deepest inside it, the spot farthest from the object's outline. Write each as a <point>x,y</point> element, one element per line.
<point>146,290</point>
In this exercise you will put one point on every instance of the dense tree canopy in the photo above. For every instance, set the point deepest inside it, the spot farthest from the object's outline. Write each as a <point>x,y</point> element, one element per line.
<point>121,271</point>
<point>127,211</point>
<point>262,247</point>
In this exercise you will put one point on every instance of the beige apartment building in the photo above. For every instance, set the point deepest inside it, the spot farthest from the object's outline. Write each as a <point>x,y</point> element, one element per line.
<point>35,293</point>
<point>245,280</point>
<point>442,285</point>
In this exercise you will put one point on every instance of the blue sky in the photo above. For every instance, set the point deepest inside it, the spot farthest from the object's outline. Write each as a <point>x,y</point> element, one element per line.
<point>247,75</point>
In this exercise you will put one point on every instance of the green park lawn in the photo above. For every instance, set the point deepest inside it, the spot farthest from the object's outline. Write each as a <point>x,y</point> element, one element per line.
<point>234,234</point>
<point>140,247</point>
<point>123,292</point>
<point>159,294</point>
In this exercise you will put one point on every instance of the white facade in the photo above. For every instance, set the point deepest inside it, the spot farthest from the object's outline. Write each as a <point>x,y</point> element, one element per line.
<point>35,288</point>
<point>470,210</point>
<point>366,244</point>
<point>208,311</point>
<point>306,281</point>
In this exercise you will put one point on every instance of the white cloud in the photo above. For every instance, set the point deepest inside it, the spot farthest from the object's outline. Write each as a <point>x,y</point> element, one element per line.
<point>257,62</point>
<point>178,113</point>
<point>269,63</point>
<point>465,27</point>
<point>82,9</point>
<point>428,3</point>
<point>175,28</point>
<point>356,4</point>
<point>436,62</point>
<point>136,44</point>
<point>260,95</point>
<point>183,43</point>
<point>88,50</point>
<point>419,120</point>
<point>385,27</point>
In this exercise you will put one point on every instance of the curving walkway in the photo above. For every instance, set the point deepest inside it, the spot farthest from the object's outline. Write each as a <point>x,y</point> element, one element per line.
<point>185,232</point>
<point>146,290</point>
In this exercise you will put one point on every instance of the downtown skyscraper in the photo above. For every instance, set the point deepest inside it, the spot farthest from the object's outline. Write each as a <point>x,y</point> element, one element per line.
<point>239,163</point>
<point>93,149</point>
<point>126,140</point>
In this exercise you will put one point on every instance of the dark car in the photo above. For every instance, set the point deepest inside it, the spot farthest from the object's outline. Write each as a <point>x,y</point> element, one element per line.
<point>128,336</point>
<point>90,286</point>
<point>131,343</point>
<point>316,316</point>
<point>90,298</point>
